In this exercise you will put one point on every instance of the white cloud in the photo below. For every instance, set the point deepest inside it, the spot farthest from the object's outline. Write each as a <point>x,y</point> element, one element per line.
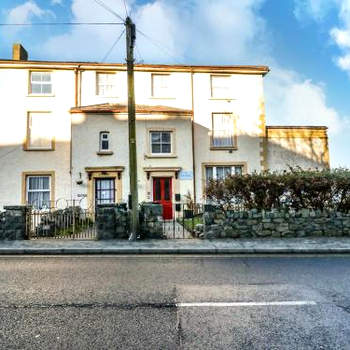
<point>296,101</point>
<point>316,9</point>
<point>24,14</point>
<point>56,2</point>
<point>340,34</point>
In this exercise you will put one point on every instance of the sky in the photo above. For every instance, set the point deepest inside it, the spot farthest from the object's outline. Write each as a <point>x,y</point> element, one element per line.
<point>306,44</point>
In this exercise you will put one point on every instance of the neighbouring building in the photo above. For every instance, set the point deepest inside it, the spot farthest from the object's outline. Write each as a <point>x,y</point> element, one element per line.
<point>64,131</point>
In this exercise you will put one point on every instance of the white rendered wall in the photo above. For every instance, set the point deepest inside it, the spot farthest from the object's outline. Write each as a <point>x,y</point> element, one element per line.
<point>246,105</point>
<point>85,143</point>
<point>15,104</point>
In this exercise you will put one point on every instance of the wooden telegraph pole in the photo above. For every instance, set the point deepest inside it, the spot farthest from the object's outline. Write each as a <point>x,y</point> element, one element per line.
<point>130,42</point>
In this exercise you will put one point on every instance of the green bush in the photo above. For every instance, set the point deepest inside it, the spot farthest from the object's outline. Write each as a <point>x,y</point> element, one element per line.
<point>293,189</point>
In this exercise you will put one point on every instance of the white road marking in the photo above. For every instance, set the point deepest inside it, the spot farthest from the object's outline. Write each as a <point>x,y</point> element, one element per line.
<point>252,303</point>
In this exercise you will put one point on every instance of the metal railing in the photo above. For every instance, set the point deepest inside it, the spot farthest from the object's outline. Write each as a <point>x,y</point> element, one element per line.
<point>69,223</point>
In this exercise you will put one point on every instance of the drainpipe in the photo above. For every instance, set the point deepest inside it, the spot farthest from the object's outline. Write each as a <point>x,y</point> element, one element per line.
<point>193,152</point>
<point>76,104</point>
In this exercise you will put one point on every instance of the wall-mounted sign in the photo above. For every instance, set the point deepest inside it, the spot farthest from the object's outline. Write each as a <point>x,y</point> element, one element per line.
<point>186,175</point>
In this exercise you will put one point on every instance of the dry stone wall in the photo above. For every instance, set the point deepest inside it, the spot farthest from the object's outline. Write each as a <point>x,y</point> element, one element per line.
<point>13,223</point>
<point>277,223</point>
<point>112,221</point>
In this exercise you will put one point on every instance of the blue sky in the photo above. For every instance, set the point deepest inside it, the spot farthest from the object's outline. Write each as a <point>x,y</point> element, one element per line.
<point>306,43</point>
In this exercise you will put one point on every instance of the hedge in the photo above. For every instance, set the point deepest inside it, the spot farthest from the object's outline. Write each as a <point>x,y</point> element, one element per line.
<point>293,189</point>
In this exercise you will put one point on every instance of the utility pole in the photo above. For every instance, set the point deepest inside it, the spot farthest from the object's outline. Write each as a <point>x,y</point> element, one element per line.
<point>130,42</point>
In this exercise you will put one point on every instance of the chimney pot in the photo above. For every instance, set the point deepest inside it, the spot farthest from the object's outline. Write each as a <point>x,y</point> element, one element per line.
<point>19,53</point>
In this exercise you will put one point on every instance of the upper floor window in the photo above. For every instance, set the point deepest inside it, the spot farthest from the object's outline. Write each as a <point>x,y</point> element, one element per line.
<point>223,131</point>
<point>104,141</point>
<point>220,172</point>
<point>40,83</point>
<point>220,86</point>
<point>161,142</point>
<point>39,131</point>
<point>38,191</point>
<point>160,85</point>
<point>105,84</point>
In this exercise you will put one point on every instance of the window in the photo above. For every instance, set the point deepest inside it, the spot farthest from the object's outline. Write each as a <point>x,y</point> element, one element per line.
<point>104,141</point>
<point>105,191</point>
<point>40,83</point>
<point>160,85</point>
<point>220,86</point>
<point>105,84</point>
<point>38,192</point>
<point>39,131</point>
<point>223,131</point>
<point>160,142</point>
<point>221,172</point>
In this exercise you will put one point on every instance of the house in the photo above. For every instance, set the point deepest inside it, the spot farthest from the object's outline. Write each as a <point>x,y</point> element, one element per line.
<point>64,131</point>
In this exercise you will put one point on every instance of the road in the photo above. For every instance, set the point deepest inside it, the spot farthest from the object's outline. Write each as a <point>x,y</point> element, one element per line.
<point>175,302</point>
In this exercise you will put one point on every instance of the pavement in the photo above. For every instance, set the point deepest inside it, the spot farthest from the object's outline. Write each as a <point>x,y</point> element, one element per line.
<point>316,245</point>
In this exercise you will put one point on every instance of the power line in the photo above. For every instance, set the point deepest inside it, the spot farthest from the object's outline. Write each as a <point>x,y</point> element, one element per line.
<point>102,4</point>
<point>139,54</point>
<point>113,46</point>
<point>126,10</point>
<point>63,23</point>
<point>159,45</point>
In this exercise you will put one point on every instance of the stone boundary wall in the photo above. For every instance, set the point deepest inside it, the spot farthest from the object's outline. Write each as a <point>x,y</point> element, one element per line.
<point>151,220</point>
<point>13,224</point>
<point>276,223</point>
<point>112,221</point>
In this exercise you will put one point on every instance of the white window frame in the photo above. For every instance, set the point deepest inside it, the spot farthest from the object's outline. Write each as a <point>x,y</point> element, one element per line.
<point>28,145</point>
<point>112,93</point>
<point>102,139</point>
<point>214,167</point>
<point>233,136</point>
<point>168,88</point>
<point>40,190</point>
<point>227,94</point>
<point>171,142</point>
<point>41,83</point>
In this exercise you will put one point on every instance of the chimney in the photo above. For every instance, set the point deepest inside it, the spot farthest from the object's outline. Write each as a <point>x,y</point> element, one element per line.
<point>19,53</point>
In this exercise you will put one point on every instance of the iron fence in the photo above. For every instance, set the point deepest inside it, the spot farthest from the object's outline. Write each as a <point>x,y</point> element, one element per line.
<point>69,223</point>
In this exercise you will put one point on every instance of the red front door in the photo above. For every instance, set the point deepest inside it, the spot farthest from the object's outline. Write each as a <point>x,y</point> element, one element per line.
<point>162,194</point>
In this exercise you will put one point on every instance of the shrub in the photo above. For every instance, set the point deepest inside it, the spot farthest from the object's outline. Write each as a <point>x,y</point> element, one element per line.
<point>293,189</point>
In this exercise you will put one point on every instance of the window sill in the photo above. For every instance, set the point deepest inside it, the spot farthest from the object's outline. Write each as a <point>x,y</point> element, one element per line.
<point>104,153</point>
<point>160,155</point>
<point>106,96</point>
<point>38,149</point>
<point>223,148</point>
<point>162,98</point>
<point>41,95</point>
<point>221,98</point>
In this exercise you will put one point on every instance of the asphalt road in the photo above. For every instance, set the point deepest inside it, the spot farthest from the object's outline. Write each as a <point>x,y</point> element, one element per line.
<point>174,302</point>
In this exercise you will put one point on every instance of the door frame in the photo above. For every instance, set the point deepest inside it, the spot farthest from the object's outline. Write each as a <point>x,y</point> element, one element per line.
<point>103,172</point>
<point>172,195</point>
